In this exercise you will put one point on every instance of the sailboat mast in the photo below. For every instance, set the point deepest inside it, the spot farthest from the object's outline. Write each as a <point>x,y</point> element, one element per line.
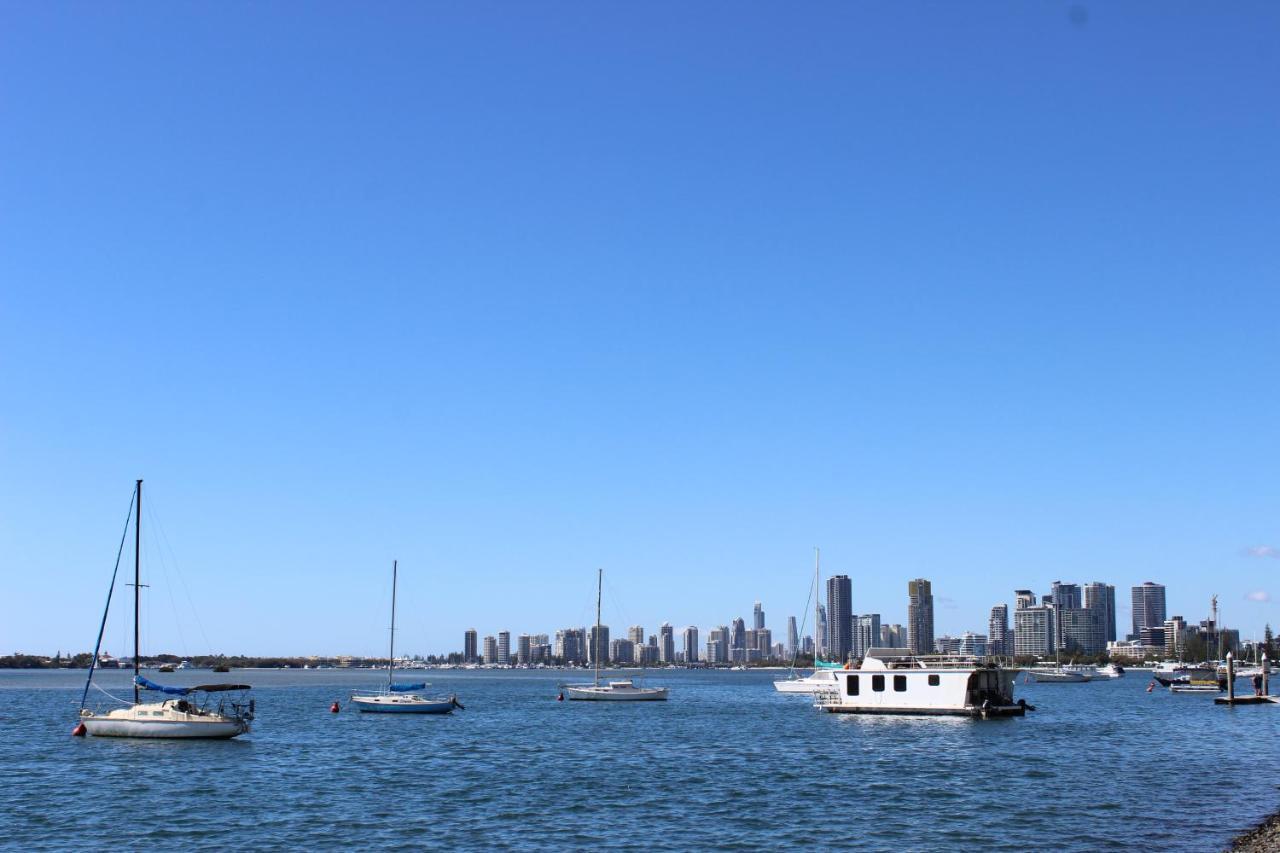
<point>391,654</point>
<point>817,604</point>
<point>596,643</point>
<point>137,586</point>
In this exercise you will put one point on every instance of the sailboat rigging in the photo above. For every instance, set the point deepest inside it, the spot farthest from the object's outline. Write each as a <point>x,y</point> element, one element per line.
<point>187,717</point>
<point>624,690</point>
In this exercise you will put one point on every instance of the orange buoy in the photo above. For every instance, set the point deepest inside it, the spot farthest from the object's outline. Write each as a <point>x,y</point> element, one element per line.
<point>79,730</point>
<point>335,708</point>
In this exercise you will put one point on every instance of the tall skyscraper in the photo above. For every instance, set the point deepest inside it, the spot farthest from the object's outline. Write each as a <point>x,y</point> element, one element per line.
<point>920,616</point>
<point>636,634</point>
<point>490,649</point>
<point>469,646</point>
<point>666,643</point>
<point>738,641</point>
<point>839,618</point>
<point>602,645</point>
<point>820,632</point>
<point>524,644</point>
<point>892,636</point>
<point>793,637</point>
<point>1033,631</point>
<point>691,644</point>
<point>1148,608</point>
<point>1065,598</point>
<point>1101,599</point>
<point>504,647</point>
<point>757,621</point>
<point>1023,598</point>
<point>997,627</point>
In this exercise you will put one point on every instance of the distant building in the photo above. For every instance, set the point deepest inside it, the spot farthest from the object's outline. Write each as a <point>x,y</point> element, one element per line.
<point>666,643</point>
<point>718,645</point>
<point>793,637</point>
<point>1080,630</point>
<point>1033,634</point>
<point>866,633</point>
<point>571,645</point>
<point>738,641</point>
<point>646,655</point>
<point>469,646</point>
<point>997,628</point>
<point>504,648</point>
<point>920,616</point>
<point>1023,598</point>
<point>974,644</point>
<point>893,637</point>
<point>490,650</point>
<point>839,618</point>
<point>602,645</point>
<point>636,634</point>
<point>691,644</point>
<point>757,620</point>
<point>622,651</point>
<point>524,645</point>
<point>1148,607</point>
<point>1101,599</point>
<point>763,643</point>
<point>820,632</point>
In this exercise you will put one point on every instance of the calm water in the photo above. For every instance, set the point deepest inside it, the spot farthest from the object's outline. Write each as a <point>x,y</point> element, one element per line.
<point>728,762</point>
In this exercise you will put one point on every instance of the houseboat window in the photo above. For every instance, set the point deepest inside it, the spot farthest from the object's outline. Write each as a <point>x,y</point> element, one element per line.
<point>877,683</point>
<point>851,685</point>
<point>934,680</point>
<point>900,684</point>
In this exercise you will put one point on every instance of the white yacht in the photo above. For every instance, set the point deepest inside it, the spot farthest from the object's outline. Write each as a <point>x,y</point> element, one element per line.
<point>1056,675</point>
<point>1111,670</point>
<point>814,681</point>
<point>895,681</point>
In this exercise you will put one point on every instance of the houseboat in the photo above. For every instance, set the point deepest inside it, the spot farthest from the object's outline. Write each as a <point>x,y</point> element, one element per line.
<point>895,681</point>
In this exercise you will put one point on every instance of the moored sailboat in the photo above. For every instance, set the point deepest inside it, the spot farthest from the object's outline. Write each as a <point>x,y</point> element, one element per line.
<point>401,698</point>
<point>824,672</point>
<point>193,715</point>
<point>621,690</point>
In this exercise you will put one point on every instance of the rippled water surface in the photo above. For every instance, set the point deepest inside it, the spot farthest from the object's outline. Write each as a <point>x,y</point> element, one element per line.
<point>728,762</point>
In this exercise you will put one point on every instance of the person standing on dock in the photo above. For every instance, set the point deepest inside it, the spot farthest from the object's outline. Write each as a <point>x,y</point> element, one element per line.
<point>1257,684</point>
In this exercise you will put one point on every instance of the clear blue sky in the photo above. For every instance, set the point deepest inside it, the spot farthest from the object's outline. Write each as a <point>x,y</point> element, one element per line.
<point>980,292</point>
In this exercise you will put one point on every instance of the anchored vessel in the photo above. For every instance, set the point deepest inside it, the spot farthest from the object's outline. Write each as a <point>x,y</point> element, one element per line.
<point>624,690</point>
<point>824,672</point>
<point>895,681</point>
<point>195,717</point>
<point>401,698</point>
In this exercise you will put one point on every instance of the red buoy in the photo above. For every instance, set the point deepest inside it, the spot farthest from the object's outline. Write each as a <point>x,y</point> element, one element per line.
<point>335,707</point>
<point>79,730</point>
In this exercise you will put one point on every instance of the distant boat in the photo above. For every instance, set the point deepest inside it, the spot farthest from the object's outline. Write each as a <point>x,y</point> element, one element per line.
<point>1111,670</point>
<point>1056,675</point>
<point>624,690</point>
<point>895,681</point>
<point>401,698</point>
<point>167,667</point>
<point>222,667</point>
<point>194,717</point>
<point>824,672</point>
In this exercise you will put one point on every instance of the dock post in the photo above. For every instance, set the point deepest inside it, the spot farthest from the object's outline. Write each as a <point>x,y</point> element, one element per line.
<point>1266,675</point>
<point>1231,678</point>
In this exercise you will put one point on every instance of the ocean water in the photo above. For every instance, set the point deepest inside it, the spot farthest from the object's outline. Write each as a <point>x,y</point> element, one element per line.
<point>726,763</point>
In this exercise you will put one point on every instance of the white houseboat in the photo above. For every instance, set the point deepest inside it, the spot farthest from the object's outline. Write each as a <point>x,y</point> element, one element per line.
<point>895,681</point>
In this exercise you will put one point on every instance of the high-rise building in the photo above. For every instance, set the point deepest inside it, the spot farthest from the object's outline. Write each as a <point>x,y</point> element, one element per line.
<point>1080,630</point>
<point>1033,631</point>
<point>757,621</point>
<point>691,644</point>
<point>738,641</point>
<point>504,648</point>
<point>839,618</point>
<point>469,646</point>
<point>717,645</point>
<point>636,634</point>
<point>793,637</point>
<point>1065,597</point>
<point>893,636</point>
<point>570,645</point>
<point>622,651</point>
<point>820,632</point>
<point>997,627</point>
<point>866,633</point>
<point>1101,599</point>
<point>920,616</point>
<point>1023,598</point>
<point>974,644</point>
<point>763,643</point>
<point>1148,607</point>
<point>524,644</point>
<point>602,644</point>
<point>666,644</point>
<point>490,649</point>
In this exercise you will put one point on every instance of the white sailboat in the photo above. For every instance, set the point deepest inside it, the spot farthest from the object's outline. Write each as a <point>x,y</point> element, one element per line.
<point>622,690</point>
<point>193,714</point>
<point>401,698</point>
<point>824,674</point>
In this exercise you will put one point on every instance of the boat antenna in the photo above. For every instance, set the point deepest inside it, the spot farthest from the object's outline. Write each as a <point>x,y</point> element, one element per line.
<point>137,585</point>
<point>596,639</point>
<point>391,653</point>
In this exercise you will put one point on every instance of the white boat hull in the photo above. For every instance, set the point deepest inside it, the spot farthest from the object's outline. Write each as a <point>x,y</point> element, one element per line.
<point>156,721</point>
<point>894,682</point>
<point>819,680</point>
<point>403,704</point>
<point>603,693</point>
<point>1049,676</point>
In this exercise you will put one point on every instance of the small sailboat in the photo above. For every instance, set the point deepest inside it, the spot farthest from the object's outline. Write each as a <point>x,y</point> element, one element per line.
<point>193,714</point>
<point>824,672</point>
<point>622,690</point>
<point>401,698</point>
